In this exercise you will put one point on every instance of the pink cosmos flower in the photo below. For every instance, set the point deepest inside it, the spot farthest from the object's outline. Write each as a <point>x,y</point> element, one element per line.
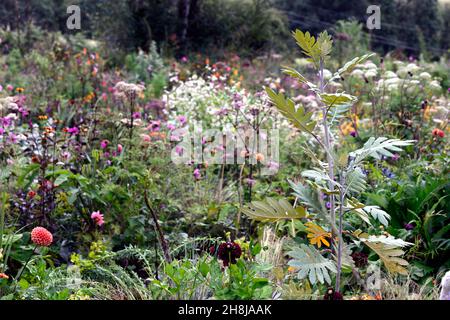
<point>98,218</point>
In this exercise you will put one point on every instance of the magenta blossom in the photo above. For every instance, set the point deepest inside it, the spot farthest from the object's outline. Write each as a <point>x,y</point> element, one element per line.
<point>104,144</point>
<point>197,174</point>
<point>73,131</point>
<point>98,218</point>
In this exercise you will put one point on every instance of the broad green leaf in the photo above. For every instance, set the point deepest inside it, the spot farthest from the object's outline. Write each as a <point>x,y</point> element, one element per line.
<point>272,210</point>
<point>337,99</point>
<point>388,249</point>
<point>310,263</point>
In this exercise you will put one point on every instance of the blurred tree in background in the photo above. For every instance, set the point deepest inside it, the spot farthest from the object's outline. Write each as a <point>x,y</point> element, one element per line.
<point>249,26</point>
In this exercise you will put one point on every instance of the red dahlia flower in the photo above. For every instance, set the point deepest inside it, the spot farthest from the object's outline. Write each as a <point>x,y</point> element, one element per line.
<point>438,133</point>
<point>229,252</point>
<point>41,237</point>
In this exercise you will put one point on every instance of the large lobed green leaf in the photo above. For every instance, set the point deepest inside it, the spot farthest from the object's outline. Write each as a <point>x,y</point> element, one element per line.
<point>271,210</point>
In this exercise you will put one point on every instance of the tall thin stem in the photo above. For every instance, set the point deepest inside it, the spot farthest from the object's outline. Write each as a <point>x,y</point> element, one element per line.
<point>340,240</point>
<point>328,149</point>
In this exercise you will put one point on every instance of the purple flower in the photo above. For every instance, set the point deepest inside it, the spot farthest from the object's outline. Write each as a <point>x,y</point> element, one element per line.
<point>2,131</point>
<point>409,226</point>
<point>73,131</point>
<point>104,144</point>
<point>154,125</point>
<point>136,115</point>
<point>12,138</point>
<point>5,122</point>
<point>182,120</point>
<point>197,174</point>
<point>353,133</point>
<point>179,150</point>
<point>328,205</point>
<point>387,173</point>
<point>171,127</point>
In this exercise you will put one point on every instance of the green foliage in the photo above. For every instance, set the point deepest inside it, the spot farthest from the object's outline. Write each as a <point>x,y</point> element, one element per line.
<point>296,115</point>
<point>273,210</point>
<point>311,264</point>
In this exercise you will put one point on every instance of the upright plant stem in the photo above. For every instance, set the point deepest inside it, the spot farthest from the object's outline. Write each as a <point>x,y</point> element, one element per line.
<point>162,240</point>
<point>340,240</point>
<point>331,174</point>
<point>328,148</point>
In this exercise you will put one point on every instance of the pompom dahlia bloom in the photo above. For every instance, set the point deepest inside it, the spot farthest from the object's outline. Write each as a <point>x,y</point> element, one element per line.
<point>228,252</point>
<point>98,218</point>
<point>41,237</point>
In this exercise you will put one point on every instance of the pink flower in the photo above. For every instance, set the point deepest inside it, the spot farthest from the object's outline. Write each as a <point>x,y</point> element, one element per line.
<point>9,87</point>
<point>12,138</point>
<point>1,88</point>
<point>104,96</point>
<point>104,144</point>
<point>98,218</point>
<point>145,138</point>
<point>184,59</point>
<point>74,131</point>
<point>171,126</point>
<point>119,148</point>
<point>182,120</point>
<point>179,150</point>
<point>197,174</point>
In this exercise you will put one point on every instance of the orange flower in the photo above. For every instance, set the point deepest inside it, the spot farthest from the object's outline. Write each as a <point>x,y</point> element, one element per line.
<point>317,235</point>
<point>259,157</point>
<point>4,276</point>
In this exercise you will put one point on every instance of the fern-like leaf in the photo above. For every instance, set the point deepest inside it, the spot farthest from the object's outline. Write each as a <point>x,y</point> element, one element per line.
<point>379,147</point>
<point>389,250</point>
<point>310,263</point>
<point>356,181</point>
<point>298,117</point>
<point>350,65</point>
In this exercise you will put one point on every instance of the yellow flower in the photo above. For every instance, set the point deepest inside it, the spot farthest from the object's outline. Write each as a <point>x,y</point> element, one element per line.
<point>317,235</point>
